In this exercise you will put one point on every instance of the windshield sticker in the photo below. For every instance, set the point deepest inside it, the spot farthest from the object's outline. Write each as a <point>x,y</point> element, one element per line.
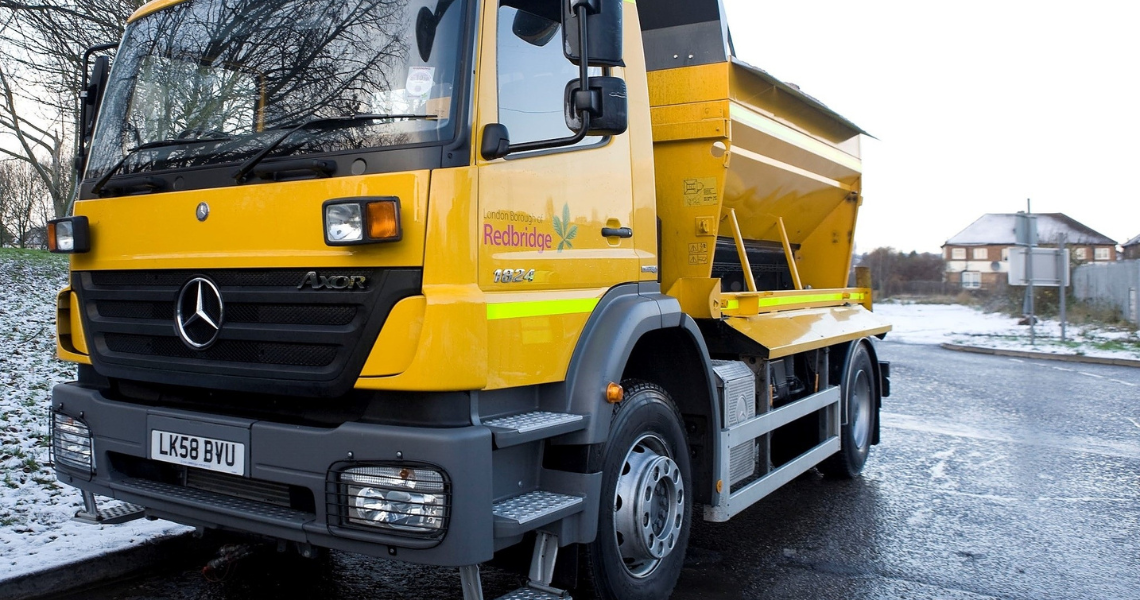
<point>420,80</point>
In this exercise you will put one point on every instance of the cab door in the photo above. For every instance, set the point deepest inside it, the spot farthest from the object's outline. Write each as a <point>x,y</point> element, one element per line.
<point>542,250</point>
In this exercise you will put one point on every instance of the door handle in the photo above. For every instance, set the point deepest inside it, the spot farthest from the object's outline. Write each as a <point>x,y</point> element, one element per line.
<point>621,232</point>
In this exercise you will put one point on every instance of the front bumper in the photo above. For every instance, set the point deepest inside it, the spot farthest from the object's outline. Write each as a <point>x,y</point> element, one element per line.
<point>299,457</point>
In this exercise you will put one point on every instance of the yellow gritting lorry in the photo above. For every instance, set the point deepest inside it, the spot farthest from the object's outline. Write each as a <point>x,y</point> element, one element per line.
<point>433,279</point>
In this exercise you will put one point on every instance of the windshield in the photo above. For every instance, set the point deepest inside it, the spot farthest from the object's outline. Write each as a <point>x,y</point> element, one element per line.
<point>235,74</point>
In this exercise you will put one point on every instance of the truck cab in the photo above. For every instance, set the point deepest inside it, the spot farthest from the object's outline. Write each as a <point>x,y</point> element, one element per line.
<point>430,279</point>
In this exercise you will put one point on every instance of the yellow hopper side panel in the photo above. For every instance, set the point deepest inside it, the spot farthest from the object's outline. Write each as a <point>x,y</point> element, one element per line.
<point>726,139</point>
<point>791,332</point>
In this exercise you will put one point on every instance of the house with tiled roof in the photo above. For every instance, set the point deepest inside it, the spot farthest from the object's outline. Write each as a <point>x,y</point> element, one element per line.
<point>1132,249</point>
<point>978,256</point>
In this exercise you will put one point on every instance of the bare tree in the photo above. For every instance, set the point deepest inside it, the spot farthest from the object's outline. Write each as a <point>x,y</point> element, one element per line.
<point>41,62</point>
<point>6,190</point>
<point>25,198</point>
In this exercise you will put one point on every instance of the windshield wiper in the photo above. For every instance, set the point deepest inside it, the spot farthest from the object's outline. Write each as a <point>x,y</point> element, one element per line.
<point>98,187</point>
<point>252,161</point>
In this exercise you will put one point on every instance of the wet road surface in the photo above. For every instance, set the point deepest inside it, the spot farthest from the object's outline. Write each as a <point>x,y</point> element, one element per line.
<point>997,478</point>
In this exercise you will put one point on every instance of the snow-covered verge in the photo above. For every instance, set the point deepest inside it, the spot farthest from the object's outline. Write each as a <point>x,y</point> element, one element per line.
<point>36,531</point>
<point>939,323</point>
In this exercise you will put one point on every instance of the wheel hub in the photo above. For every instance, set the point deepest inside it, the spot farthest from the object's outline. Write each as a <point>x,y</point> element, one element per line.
<point>861,410</point>
<point>648,506</point>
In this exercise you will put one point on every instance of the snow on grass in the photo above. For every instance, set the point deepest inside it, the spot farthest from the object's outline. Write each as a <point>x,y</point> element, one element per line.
<point>36,531</point>
<point>966,325</point>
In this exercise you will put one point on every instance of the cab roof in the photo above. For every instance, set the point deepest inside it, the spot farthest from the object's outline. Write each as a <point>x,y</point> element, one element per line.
<point>152,6</point>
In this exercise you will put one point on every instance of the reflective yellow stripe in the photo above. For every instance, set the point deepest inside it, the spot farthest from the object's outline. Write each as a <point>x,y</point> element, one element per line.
<point>734,303</point>
<point>541,308</point>
<point>804,299</point>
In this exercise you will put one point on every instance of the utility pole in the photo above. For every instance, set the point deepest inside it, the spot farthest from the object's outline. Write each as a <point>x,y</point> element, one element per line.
<point>1061,273</point>
<point>1029,277</point>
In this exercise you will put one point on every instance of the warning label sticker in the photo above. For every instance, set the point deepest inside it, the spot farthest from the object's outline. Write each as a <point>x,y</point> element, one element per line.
<point>699,253</point>
<point>700,192</point>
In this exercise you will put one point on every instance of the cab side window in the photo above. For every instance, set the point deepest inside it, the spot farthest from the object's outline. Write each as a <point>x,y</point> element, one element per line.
<point>533,72</point>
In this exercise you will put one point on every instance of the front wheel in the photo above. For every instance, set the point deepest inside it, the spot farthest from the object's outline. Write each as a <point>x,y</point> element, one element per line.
<point>643,523</point>
<point>858,390</point>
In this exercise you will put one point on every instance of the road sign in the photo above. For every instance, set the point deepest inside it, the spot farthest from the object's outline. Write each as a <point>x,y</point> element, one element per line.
<point>1050,267</point>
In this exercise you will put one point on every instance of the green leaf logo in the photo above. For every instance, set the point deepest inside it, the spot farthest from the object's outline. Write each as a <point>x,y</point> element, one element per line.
<point>564,229</point>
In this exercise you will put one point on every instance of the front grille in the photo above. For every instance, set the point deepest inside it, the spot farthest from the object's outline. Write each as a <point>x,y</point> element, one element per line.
<point>274,338</point>
<point>261,353</point>
<point>180,481</point>
<point>289,278</point>
<point>283,314</point>
<point>239,487</point>
<point>290,314</point>
<point>135,310</point>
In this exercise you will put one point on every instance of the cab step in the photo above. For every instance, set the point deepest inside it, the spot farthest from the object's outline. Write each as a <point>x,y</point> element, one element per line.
<point>542,563</point>
<point>530,426</point>
<point>527,512</point>
<point>93,515</point>
<point>537,587</point>
<point>529,593</point>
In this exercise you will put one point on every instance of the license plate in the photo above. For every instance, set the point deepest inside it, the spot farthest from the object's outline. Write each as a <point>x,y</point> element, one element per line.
<point>196,451</point>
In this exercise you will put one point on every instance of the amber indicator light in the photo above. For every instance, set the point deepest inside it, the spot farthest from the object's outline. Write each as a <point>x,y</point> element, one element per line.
<point>383,220</point>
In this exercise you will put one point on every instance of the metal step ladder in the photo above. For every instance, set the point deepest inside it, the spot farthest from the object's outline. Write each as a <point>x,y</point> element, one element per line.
<point>93,515</point>
<point>531,426</point>
<point>538,584</point>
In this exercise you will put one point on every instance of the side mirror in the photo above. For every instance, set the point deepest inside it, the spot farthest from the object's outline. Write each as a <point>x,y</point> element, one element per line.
<point>598,24</point>
<point>89,100</point>
<point>496,141</point>
<point>604,32</point>
<point>605,101</point>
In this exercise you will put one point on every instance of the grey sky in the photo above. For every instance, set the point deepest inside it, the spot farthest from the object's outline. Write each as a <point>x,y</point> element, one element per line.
<point>977,105</point>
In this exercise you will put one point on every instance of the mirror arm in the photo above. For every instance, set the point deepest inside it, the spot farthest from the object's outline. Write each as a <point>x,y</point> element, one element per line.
<point>87,58</point>
<point>584,79</point>
<point>80,147</point>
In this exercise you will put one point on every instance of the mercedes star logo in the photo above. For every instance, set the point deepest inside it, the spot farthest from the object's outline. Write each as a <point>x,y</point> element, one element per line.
<point>199,313</point>
<point>202,211</point>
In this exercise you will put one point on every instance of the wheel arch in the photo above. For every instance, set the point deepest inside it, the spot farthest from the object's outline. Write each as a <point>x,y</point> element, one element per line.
<point>638,332</point>
<point>675,359</point>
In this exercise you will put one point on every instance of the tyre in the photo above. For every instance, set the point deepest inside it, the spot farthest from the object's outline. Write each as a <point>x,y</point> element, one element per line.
<point>644,517</point>
<point>858,388</point>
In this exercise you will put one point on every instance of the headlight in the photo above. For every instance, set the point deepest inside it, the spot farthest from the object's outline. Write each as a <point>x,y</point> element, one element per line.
<point>370,220</point>
<point>71,443</point>
<point>343,223</point>
<point>68,235</point>
<point>401,499</point>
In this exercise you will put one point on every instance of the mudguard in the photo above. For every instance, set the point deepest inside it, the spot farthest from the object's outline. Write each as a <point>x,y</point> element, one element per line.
<point>625,314</point>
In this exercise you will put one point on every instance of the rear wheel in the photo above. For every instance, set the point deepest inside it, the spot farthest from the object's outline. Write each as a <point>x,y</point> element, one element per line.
<point>858,389</point>
<point>643,522</point>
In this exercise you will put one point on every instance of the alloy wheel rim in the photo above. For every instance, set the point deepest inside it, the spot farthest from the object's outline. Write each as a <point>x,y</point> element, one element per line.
<point>861,409</point>
<point>648,506</point>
